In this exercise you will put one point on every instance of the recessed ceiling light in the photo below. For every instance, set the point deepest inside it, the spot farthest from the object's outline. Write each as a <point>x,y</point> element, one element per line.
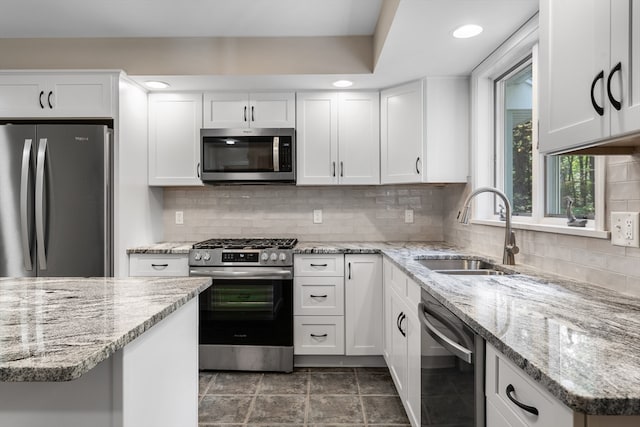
<point>152,84</point>
<point>343,83</point>
<point>466,31</point>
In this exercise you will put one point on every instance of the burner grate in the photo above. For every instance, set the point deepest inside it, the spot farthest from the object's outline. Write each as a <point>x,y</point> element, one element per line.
<point>279,243</point>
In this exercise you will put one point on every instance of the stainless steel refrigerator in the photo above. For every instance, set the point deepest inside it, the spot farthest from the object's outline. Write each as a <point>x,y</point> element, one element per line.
<point>55,200</point>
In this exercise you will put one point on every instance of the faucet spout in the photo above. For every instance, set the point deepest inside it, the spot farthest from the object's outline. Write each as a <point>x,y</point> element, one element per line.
<point>510,247</point>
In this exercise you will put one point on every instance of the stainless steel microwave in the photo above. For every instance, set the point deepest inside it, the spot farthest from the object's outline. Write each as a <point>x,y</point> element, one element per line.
<point>248,155</point>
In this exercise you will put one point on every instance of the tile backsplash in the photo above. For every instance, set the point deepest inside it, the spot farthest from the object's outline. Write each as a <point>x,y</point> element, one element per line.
<point>350,213</point>
<point>585,259</point>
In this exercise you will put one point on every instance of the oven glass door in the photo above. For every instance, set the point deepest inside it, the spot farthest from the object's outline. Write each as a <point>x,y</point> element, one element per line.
<point>245,311</point>
<point>246,154</point>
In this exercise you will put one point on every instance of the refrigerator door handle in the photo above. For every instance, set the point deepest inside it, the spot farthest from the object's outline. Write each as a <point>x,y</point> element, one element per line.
<point>24,207</point>
<point>40,161</point>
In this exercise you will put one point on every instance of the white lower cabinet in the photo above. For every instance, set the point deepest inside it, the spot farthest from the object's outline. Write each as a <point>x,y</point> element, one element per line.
<point>165,265</point>
<point>318,308</point>
<point>318,335</point>
<point>506,383</point>
<point>363,305</point>
<point>402,342</point>
<point>337,304</point>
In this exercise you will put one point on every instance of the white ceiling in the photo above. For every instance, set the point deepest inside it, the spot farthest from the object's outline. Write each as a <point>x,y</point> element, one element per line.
<point>187,18</point>
<point>419,42</point>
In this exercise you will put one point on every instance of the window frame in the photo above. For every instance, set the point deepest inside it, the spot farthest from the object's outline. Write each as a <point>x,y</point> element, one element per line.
<point>484,151</point>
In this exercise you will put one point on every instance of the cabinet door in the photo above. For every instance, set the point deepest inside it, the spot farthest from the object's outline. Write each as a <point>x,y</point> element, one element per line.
<point>358,138</point>
<point>625,50</point>
<point>363,297</point>
<point>226,110</point>
<point>398,366</point>
<point>317,138</point>
<point>80,96</point>
<point>20,96</point>
<point>174,138</point>
<point>401,132</point>
<point>571,59</point>
<point>54,95</point>
<point>446,144</point>
<point>411,325</point>
<point>272,110</point>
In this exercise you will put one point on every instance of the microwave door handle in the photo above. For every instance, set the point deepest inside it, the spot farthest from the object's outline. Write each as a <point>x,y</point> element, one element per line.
<point>276,154</point>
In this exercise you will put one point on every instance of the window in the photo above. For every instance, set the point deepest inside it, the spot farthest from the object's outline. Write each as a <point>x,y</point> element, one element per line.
<point>568,180</point>
<point>504,152</point>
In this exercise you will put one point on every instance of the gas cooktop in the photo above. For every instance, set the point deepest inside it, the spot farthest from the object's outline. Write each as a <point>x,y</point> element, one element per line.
<point>242,252</point>
<point>258,243</point>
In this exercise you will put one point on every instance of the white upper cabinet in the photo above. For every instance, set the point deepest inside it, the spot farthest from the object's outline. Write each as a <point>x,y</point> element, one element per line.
<point>175,120</point>
<point>424,131</point>
<point>587,91</point>
<point>57,95</point>
<point>337,138</point>
<point>401,133</point>
<point>242,110</point>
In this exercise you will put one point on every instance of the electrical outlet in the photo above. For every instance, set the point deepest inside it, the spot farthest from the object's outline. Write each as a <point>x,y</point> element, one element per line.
<point>624,229</point>
<point>408,216</point>
<point>179,217</point>
<point>317,216</point>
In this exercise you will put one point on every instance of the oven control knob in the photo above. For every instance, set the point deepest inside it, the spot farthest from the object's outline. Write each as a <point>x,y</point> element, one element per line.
<point>283,257</point>
<point>274,256</point>
<point>197,256</point>
<point>265,256</point>
<point>206,256</point>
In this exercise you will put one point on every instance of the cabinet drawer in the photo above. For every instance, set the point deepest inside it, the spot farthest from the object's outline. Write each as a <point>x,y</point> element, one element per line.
<point>501,374</point>
<point>318,296</point>
<point>319,265</point>
<point>318,334</point>
<point>159,265</point>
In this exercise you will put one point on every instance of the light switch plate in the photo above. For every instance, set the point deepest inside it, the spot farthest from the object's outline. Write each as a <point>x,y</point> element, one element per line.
<point>317,216</point>
<point>408,216</point>
<point>624,229</point>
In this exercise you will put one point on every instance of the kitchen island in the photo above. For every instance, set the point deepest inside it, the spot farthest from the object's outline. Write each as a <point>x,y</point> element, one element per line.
<point>99,351</point>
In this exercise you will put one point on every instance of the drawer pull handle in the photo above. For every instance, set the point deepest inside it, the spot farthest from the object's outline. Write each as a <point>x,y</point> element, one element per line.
<point>532,410</point>
<point>318,296</point>
<point>319,336</point>
<point>159,265</point>
<point>319,265</point>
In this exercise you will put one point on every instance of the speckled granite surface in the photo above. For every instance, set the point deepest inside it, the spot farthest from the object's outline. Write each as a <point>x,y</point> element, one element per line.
<point>163,248</point>
<point>56,329</point>
<point>579,341</point>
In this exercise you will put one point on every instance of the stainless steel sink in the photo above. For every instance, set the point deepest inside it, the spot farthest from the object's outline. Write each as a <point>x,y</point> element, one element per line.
<point>467,267</point>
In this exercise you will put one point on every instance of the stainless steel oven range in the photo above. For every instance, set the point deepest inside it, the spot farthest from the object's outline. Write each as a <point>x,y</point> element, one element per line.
<point>246,316</point>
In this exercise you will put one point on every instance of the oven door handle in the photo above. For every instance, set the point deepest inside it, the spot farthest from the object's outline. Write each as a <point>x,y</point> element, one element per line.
<point>257,274</point>
<point>459,351</point>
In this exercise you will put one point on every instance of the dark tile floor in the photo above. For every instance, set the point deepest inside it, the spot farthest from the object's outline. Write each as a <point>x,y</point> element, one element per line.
<point>306,397</point>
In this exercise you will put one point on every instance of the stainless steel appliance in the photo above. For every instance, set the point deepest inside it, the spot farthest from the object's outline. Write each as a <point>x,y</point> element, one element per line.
<point>452,385</point>
<point>55,200</point>
<point>248,155</point>
<point>246,316</point>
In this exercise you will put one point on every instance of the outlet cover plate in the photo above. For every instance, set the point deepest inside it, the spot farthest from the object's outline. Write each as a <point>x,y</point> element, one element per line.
<point>179,217</point>
<point>624,229</point>
<point>317,216</point>
<point>408,216</point>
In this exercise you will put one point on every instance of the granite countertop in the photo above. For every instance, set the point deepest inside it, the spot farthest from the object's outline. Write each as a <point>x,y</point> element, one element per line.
<point>579,341</point>
<point>56,329</point>
<point>162,248</point>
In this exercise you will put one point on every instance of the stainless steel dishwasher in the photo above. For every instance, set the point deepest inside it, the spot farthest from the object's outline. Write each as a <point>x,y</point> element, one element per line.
<point>452,391</point>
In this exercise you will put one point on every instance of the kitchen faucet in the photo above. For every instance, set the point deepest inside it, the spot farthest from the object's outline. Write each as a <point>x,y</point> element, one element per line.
<point>510,248</point>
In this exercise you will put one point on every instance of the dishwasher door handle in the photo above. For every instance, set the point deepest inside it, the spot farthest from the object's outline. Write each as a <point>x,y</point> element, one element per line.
<point>459,351</point>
